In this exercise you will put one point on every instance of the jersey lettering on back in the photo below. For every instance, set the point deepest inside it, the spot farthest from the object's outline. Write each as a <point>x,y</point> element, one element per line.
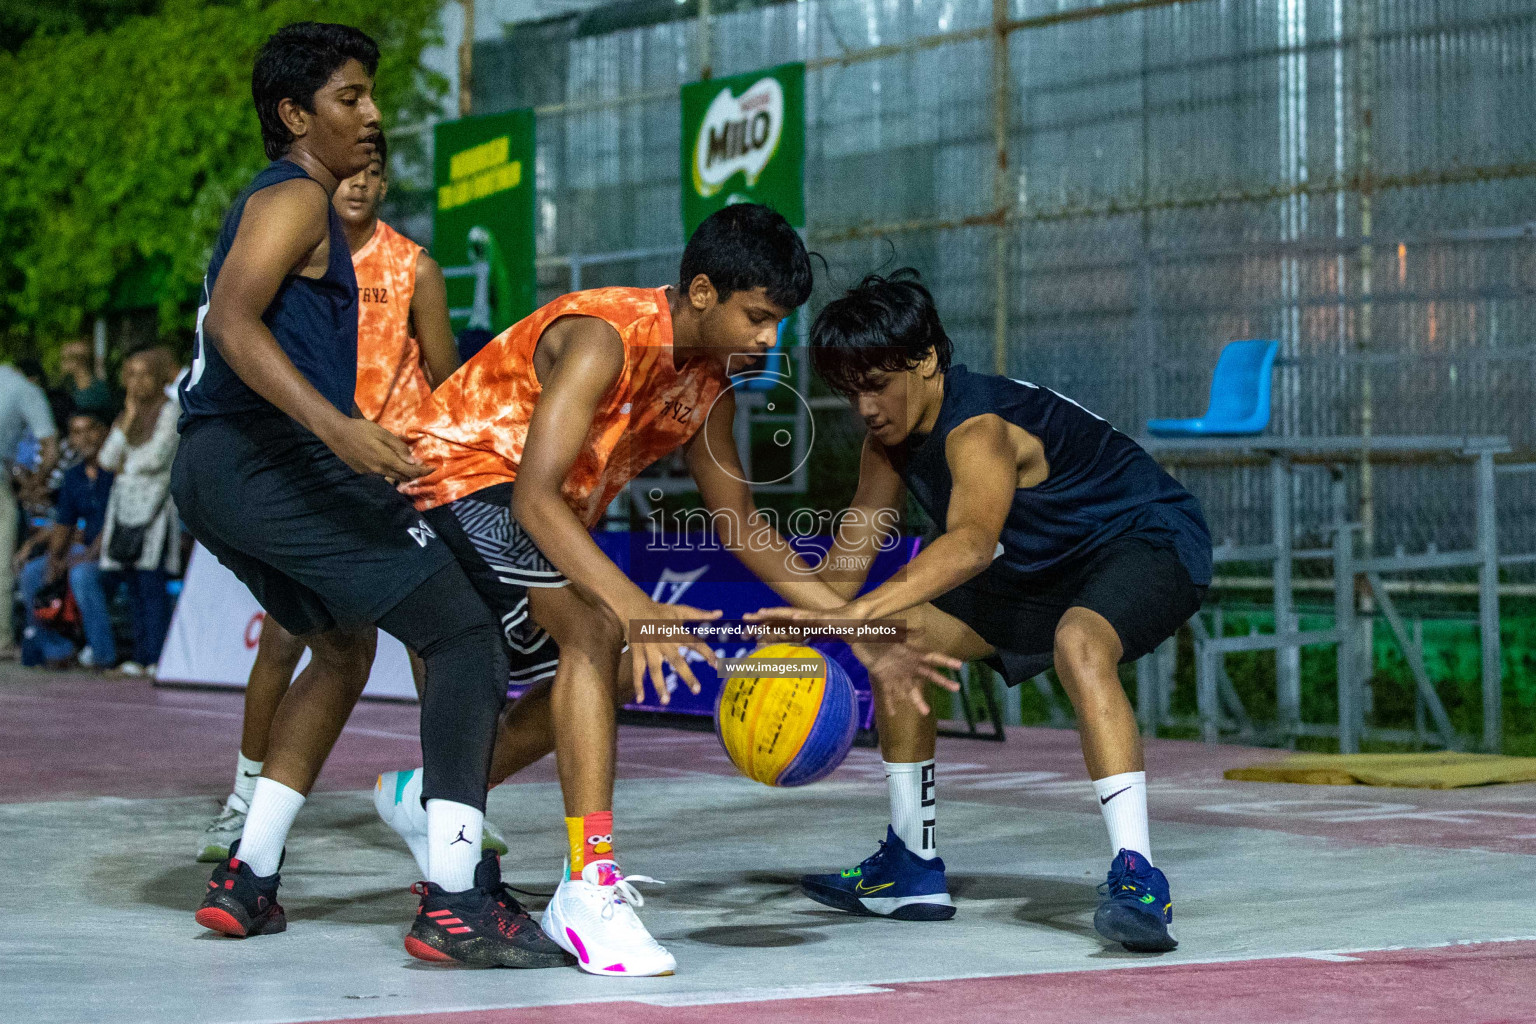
<point>314,321</point>
<point>391,382</point>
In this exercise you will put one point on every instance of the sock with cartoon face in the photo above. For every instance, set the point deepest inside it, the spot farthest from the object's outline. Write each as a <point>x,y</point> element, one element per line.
<point>591,837</point>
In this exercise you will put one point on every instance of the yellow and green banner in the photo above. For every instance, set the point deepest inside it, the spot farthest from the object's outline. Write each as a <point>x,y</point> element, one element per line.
<point>744,141</point>
<point>483,210</point>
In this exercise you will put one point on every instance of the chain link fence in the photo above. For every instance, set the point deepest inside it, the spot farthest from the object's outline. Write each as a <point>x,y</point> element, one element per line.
<point>1102,195</point>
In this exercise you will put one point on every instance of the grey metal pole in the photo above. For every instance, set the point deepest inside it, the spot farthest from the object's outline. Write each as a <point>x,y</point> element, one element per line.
<point>1488,603</point>
<point>1287,658</point>
<point>1146,693</point>
<point>1344,614</point>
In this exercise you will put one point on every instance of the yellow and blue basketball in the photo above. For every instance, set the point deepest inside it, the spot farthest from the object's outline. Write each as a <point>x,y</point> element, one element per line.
<point>788,731</point>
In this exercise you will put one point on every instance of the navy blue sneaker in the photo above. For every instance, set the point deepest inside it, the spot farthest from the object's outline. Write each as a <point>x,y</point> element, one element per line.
<point>893,882</point>
<point>1137,907</point>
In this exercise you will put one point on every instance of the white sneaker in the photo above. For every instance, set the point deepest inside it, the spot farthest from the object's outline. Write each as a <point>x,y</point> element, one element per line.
<point>86,657</point>
<point>593,918</point>
<point>131,668</point>
<point>397,798</point>
<point>223,830</point>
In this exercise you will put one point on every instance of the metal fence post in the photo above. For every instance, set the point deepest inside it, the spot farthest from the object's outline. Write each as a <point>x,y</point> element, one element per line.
<point>1287,658</point>
<point>1488,604</point>
<point>1344,614</point>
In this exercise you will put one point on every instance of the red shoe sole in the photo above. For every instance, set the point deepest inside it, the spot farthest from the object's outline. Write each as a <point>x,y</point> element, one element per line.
<point>221,921</point>
<point>421,951</point>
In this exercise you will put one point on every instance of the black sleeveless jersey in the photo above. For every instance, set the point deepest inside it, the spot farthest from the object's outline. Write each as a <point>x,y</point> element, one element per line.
<point>1101,484</point>
<point>313,319</point>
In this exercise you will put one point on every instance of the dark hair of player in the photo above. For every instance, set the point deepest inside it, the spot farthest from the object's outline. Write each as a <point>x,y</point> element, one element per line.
<point>746,246</point>
<point>883,324</point>
<point>294,63</point>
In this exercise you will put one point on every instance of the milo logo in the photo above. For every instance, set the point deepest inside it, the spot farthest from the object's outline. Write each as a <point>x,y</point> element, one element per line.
<point>739,133</point>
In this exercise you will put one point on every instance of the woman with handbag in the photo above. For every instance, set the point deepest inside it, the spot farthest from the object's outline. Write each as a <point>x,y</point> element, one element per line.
<point>142,539</point>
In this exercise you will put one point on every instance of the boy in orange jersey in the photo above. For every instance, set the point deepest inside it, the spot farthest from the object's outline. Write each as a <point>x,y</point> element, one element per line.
<point>530,441</point>
<point>405,347</point>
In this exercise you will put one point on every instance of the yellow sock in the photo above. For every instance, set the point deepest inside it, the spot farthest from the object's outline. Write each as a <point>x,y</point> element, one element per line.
<point>578,843</point>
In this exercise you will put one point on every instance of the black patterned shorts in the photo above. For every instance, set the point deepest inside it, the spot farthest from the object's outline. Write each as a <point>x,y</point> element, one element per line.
<point>502,563</point>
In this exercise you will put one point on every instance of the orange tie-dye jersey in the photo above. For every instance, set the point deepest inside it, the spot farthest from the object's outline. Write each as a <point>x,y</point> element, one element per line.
<point>391,382</point>
<point>473,428</point>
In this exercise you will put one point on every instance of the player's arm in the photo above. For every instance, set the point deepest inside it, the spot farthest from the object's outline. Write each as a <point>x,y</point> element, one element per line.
<point>429,317</point>
<point>282,225</point>
<point>984,467</point>
<point>587,358</point>
<point>871,520</point>
<point>716,467</point>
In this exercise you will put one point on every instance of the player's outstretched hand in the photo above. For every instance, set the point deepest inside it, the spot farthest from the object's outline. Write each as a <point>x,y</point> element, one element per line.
<point>771,615</point>
<point>649,656</point>
<point>369,448</point>
<point>898,672</point>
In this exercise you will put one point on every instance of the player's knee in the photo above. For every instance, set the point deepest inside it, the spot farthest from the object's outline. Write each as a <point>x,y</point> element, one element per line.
<point>1087,649</point>
<point>344,654</point>
<point>590,630</point>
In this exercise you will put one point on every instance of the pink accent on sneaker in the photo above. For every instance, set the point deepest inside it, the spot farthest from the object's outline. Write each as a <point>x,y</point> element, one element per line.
<point>615,968</point>
<point>581,949</point>
<point>607,873</point>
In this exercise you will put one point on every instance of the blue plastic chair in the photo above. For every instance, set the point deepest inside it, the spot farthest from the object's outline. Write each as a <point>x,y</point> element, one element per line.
<point>1239,395</point>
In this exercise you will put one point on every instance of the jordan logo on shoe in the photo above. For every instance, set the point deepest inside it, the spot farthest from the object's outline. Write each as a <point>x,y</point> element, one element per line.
<point>461,838</point>
<point>1106,799</point>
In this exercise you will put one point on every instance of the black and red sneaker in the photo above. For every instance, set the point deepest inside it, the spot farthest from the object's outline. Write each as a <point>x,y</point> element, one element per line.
<point>484,926</point>
<point>239,903</point>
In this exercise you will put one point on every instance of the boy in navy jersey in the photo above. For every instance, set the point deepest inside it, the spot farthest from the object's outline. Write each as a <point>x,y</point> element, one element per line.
<point>291,490</point>
<point>1062,543</point>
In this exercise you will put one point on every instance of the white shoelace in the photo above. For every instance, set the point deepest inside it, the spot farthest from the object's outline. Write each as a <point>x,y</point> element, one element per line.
<point>622,892</point>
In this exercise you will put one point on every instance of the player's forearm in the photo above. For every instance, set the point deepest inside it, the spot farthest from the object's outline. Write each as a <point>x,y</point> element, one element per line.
<point>769,557</point>
<point>949,561</point>
<point>254,354</point>
<point>859,538</point>
<point>789,575</point>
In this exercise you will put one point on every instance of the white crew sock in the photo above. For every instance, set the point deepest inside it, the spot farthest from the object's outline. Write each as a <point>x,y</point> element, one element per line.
<point>453,844</point>
<point>273,807</point>
<point>913,806</point>
<point>1123,799</point>
<point>246,774</point>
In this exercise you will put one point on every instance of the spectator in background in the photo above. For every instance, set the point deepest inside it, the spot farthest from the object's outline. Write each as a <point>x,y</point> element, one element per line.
<point>85,391</point>
<point>23,409</point>
<point>74,549</point>
<point>141,537</point>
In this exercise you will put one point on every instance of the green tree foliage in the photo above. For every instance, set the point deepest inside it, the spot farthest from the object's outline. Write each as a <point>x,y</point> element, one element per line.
<point>121,149</point>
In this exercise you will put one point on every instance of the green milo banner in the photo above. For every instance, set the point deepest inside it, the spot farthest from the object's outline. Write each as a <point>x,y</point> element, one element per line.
<point>744,141</point>
<point>482,170</point>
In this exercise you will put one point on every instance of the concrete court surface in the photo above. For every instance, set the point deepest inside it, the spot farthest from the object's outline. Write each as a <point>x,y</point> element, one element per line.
<point>1292,903</point>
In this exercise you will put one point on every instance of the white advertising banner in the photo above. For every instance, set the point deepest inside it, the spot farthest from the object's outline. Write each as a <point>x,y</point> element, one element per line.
<point>217,623</point>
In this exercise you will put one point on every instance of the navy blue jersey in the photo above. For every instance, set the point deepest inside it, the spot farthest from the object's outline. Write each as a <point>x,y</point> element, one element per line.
<point>1101,484</point>
<point>313,319</point>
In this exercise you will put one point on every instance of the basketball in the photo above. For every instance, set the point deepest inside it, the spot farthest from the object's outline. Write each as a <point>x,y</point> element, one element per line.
<point>787,731</point>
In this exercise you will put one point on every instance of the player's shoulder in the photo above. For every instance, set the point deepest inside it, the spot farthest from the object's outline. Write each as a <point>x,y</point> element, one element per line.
<point>619,306</point>
<point>301,202</point>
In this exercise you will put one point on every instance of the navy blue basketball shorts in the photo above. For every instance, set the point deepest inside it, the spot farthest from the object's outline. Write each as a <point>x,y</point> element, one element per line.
<point>318,544</point>
<point>502,564</point>
<point>1138,585</point>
